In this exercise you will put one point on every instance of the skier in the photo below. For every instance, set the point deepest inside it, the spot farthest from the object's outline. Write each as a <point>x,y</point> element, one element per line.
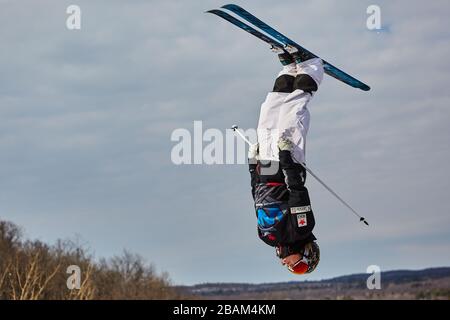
<point>282,204</point>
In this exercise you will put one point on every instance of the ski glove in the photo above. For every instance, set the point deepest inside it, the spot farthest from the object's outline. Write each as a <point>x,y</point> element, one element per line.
<point>253,151</point>
<point>284,144</point>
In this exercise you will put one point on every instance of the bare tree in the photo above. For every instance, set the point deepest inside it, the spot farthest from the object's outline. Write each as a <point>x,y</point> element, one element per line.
<point>32,270</point>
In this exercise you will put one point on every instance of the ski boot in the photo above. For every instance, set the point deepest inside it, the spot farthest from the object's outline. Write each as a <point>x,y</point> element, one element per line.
<point>297,55</point>
<point>284,56</point>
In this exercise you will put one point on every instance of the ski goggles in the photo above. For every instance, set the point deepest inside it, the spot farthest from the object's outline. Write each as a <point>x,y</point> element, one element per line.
<point>300,267</point>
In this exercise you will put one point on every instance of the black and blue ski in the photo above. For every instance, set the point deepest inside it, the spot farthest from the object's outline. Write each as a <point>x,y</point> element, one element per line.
<point>282,41</point>
<point>247,28</point>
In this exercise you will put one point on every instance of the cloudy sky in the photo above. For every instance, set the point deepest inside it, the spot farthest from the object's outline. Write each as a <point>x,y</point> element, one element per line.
<point>87,116</point>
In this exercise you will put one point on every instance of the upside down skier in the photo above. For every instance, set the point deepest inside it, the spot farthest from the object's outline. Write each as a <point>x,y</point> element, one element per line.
<point>282,204</point>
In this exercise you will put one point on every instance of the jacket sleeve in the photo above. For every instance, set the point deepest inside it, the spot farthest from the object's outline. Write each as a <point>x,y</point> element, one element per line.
<point>295,176</point>
<point>254,177</point>
<point>294,173</point>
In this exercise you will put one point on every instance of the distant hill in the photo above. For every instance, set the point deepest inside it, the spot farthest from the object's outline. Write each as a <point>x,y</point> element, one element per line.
<point>433,283</point>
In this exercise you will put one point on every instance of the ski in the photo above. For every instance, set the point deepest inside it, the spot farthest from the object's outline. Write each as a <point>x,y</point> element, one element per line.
<point>329,68</point>
<point>247,28</point>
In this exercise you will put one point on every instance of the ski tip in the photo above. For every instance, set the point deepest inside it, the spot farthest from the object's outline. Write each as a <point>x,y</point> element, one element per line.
<point>229,6</point>
<point>365,87</point>
<point>216,12</point>
<point>234,127</point>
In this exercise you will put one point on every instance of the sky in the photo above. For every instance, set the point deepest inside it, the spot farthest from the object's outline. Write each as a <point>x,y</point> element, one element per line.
<point>87,117</point>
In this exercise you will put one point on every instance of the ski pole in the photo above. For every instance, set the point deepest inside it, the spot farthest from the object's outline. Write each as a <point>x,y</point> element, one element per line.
<point>236,129</point>
<point>362,219</point>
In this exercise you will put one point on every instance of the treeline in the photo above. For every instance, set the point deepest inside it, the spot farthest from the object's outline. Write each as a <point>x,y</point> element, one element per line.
<point>31,270</point>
